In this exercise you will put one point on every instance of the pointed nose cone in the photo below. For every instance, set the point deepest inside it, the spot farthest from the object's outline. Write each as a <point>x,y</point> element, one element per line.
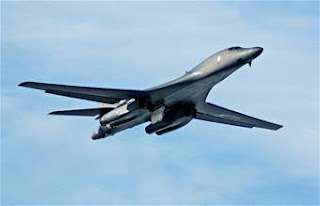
<point>252,53</point>
<point>257,51</point>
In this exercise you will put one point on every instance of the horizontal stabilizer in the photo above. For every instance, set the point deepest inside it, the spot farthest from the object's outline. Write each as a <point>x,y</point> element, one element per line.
<point>88,93</point>
<point>83,112</point>
<point>214,113</point>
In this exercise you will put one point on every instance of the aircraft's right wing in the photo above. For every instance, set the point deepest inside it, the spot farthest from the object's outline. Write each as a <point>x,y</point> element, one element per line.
<point>88,93</point>
<point>214,113</point>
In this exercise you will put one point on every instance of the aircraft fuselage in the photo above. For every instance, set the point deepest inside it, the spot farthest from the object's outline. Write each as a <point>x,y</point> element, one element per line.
<point>181,94</point>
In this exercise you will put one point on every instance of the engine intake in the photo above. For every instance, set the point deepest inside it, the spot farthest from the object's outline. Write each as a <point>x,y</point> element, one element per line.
<point>173,118</point>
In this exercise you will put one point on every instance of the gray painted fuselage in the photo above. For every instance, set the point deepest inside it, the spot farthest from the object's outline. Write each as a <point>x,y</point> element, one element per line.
<point>194,86</point>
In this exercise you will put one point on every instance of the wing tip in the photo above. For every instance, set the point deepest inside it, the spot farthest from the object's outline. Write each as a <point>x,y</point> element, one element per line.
<point>23,84</point>
<point>52,113</point>
<point>28,84</point>
<point>273,126</point>
<point>58,112</point>
<point>278,126</point>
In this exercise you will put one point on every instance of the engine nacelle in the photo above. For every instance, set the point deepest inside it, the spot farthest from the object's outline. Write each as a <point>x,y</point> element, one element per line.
<point>118,111</point>
<point>131,119</point>
<point>102,132</point>
<point>172,118</point>
<point>176,125</point>
<point>167,126</point>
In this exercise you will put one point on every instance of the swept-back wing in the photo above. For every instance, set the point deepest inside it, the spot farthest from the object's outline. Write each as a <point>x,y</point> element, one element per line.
<point>214,113</point>
<point>87,93</point>
<point>83,112</point>
<point>96,98</point>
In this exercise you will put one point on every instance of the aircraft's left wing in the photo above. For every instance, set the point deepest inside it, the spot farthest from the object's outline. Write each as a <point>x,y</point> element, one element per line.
<point>88,93</point>
<point>214,113</point>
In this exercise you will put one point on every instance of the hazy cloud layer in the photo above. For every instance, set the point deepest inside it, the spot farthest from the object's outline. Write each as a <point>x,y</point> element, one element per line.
<point>52,160</point>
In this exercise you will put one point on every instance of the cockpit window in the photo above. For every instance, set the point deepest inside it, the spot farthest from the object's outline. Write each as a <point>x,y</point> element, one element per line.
<point>234,48</point>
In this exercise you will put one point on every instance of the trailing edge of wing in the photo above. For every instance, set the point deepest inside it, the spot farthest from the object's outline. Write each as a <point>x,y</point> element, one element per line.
<point>83,112</point>
<point>87,93</point>
<point>214,113</point>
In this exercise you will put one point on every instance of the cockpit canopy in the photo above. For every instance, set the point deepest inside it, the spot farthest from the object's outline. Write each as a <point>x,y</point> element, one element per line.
<point>234,48</point>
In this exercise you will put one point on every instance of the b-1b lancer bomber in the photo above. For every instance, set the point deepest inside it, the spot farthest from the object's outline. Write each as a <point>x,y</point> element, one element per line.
<point>168,106</point>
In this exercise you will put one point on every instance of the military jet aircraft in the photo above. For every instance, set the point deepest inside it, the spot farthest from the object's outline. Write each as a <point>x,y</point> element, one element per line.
<point>168,106</point>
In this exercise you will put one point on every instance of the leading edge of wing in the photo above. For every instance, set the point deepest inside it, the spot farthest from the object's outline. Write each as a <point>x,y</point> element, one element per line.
<point>214,113</point>
<point>87,93</point>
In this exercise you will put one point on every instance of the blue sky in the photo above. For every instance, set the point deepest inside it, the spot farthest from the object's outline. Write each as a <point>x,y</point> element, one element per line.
<point>52,160</point>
